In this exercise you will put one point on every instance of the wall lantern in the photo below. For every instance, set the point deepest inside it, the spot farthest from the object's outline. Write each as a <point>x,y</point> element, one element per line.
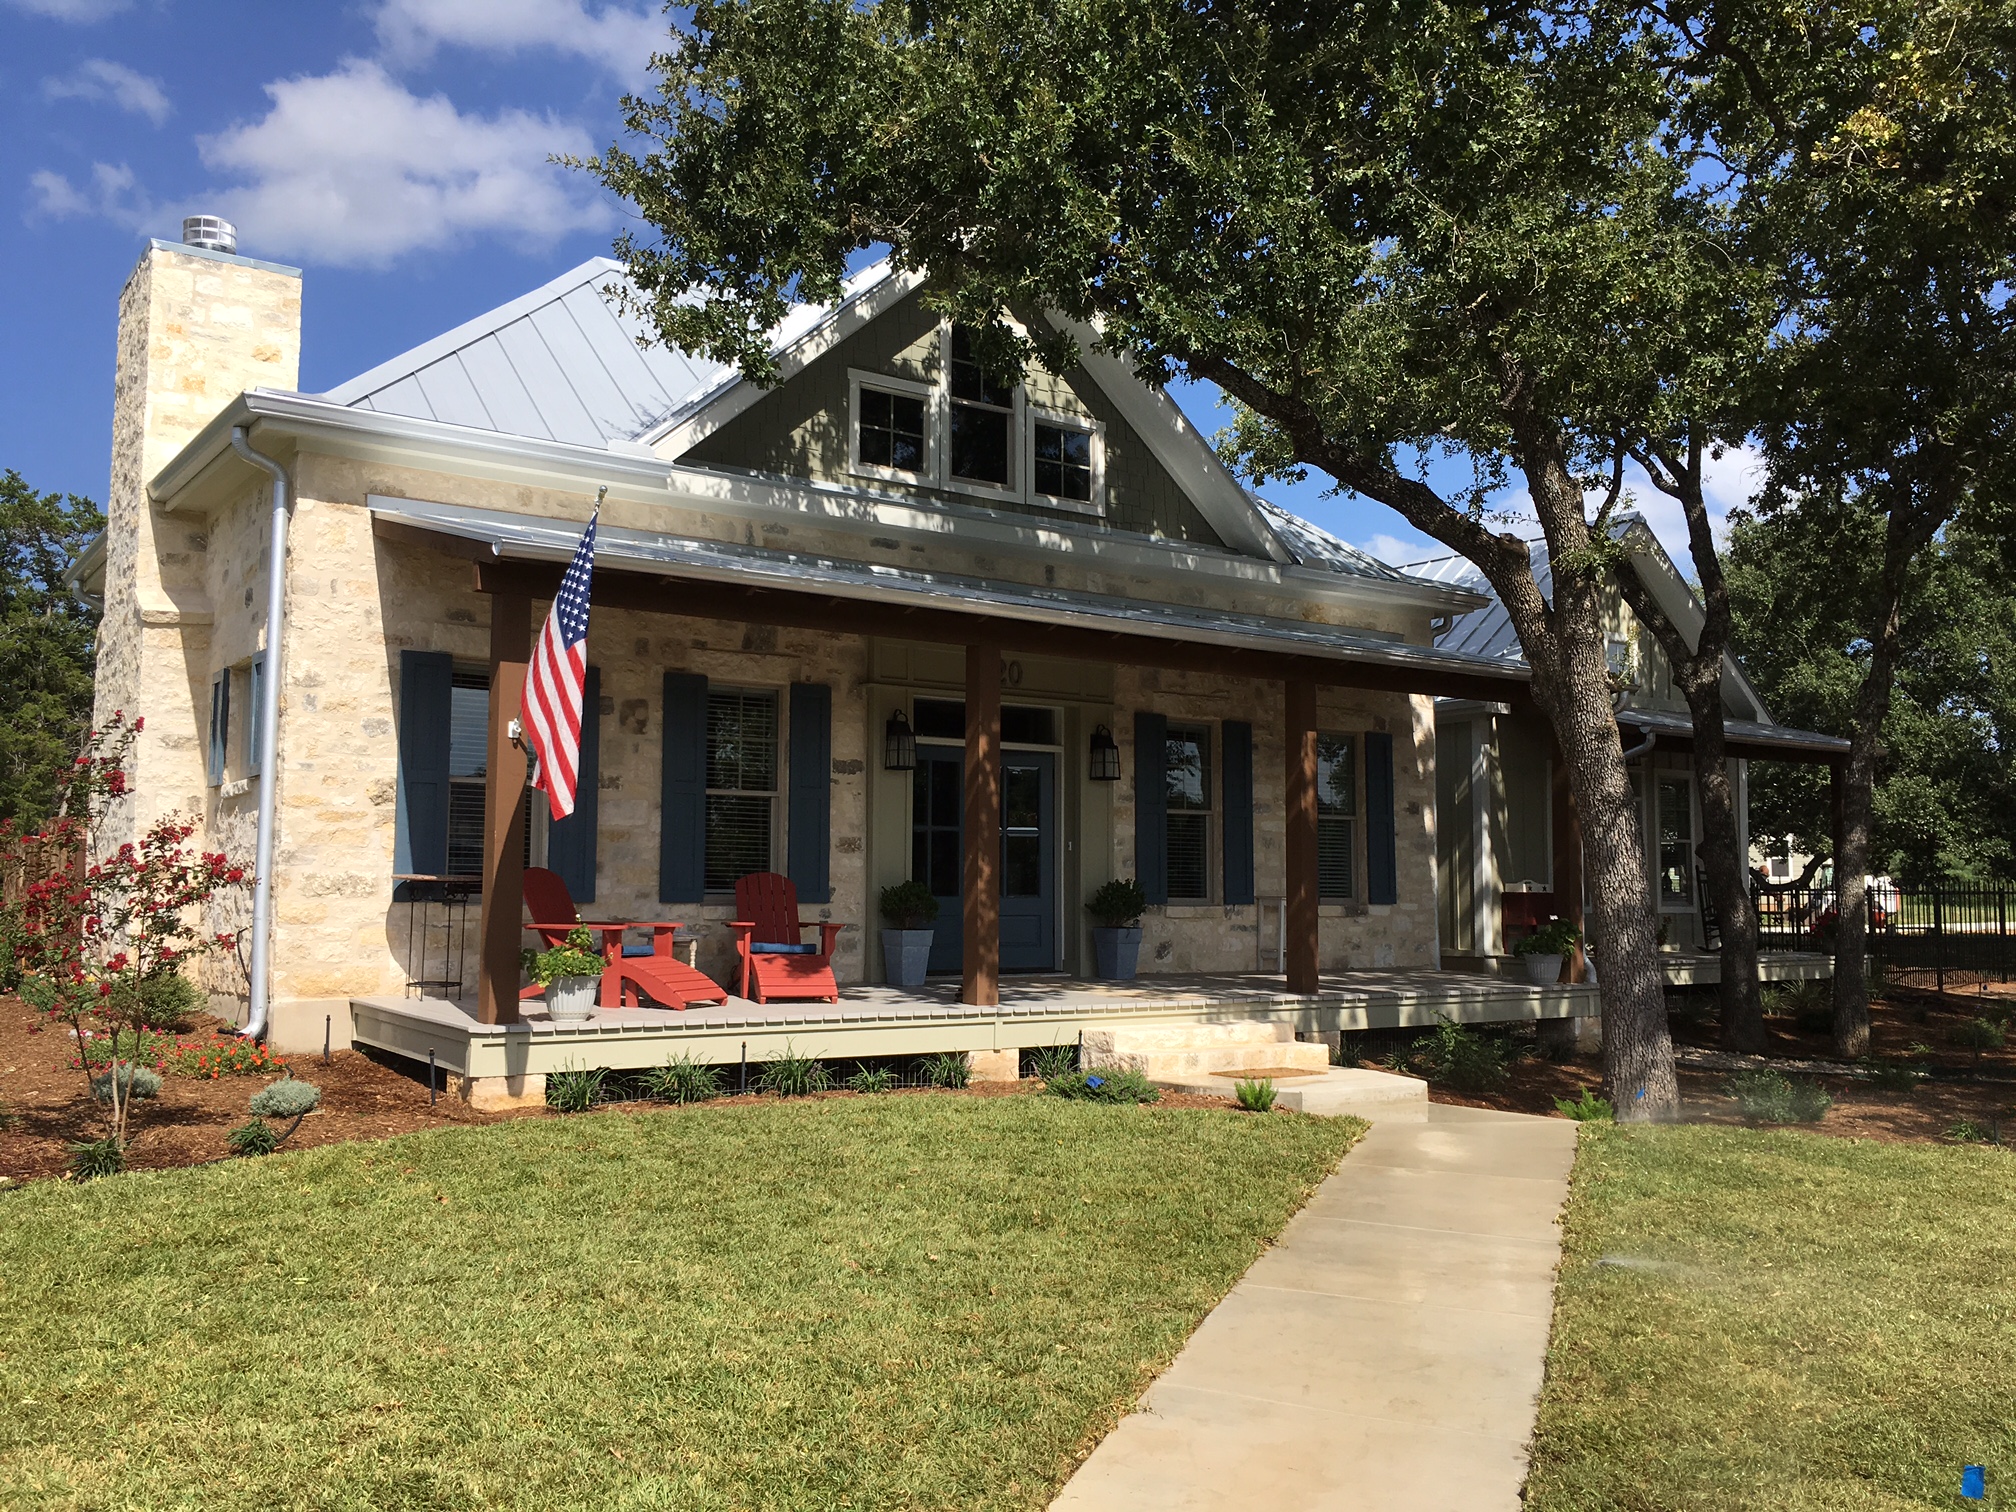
<point>1105,756</point>
<point>899,745</point>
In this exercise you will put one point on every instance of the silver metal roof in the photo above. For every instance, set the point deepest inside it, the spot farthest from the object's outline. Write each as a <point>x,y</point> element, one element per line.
<point>1485,632</point>
<point>1745,731</point>
<point>533,537</point>
<point>1314,546</point>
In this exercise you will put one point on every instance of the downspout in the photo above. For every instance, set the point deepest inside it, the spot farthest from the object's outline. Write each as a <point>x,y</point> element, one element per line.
<point>1631,753</point>
<point>268,715</point>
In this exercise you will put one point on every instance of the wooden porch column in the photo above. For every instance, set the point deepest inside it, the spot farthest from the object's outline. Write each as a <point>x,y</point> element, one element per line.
<point>980,894</point>
<point>1567,845</point>
<point>1301,922</point>
<point>504,813</point>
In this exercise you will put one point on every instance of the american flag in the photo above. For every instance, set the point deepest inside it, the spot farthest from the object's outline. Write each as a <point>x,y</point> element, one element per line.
<point>554,682</point>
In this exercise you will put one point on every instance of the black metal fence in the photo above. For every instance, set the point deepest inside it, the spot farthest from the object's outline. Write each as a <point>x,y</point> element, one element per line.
<point>1928,934</point>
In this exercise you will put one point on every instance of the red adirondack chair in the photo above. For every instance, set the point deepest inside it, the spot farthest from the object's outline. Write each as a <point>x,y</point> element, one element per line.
<point>769,937</point>
<point>628,972</point>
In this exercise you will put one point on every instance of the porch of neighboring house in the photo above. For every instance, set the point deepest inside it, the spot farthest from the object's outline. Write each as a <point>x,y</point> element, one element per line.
<point>502,1063</point>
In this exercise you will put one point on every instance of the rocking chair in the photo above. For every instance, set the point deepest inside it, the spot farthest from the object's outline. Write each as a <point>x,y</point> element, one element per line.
<point>629,972</point>
<point>775,960</point>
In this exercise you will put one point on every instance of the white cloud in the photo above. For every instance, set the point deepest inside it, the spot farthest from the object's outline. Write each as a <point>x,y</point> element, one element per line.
<point>111,194</point>
<point>82,12</point>
<point>1396,551</point>
<point>350,168</point>
<point>115,84</point>
<point>618,38</point>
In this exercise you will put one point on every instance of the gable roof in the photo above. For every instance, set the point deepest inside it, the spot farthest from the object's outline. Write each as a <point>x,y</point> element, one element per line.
<point>1313,546</point>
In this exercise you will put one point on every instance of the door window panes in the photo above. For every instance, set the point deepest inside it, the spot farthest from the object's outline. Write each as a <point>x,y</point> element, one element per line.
<point>1676,842</point>
<point>1187,801</point>
<point>1336,815</point>
<point>1022,832</point>
<point>983,417</point>
<point>891,430</point>
<point>1063,462</point>
<point>741,784</point>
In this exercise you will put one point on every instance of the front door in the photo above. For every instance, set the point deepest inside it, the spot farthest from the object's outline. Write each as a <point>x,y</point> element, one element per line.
<point>1028,854</point>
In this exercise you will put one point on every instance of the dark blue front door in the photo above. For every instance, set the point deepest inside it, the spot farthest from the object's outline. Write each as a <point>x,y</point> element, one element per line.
<point>1028,854</point>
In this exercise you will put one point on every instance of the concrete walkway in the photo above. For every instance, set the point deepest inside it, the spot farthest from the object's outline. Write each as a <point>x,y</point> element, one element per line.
<point>1385,1355</point>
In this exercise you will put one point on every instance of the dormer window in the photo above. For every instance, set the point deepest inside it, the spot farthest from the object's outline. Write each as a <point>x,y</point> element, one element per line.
<point>983,417</point>
<point>892,430</point>
<point>1064,466</point>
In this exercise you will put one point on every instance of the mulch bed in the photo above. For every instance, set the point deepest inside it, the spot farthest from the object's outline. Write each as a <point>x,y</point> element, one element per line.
<point>1906,1023</point>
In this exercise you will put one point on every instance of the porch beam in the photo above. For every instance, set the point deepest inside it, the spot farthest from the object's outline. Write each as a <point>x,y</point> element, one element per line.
<point>1302,917</point>
<point>504,814</point>
<point>980,896</point>
<point>790,609</point>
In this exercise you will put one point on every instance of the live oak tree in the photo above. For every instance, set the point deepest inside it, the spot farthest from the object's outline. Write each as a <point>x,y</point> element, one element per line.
<point>48,640</point>
<point>1384,231</point>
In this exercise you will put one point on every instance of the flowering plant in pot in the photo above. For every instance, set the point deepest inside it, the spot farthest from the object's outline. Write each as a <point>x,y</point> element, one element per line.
<point>571,973</point>
<point>1545,949</point>
<point>909,910</point>
<point>1116,910</point>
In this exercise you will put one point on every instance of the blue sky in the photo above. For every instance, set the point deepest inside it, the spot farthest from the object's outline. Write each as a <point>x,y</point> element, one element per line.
<point>395,150</point>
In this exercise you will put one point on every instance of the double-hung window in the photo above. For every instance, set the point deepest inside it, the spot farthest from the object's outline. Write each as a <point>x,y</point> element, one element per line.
<point>1186,774</point>
<point>468,770</point>
<point>220,727</point>
<point>741,784</point>
<point>1336,816</point>
<point>982,419</point>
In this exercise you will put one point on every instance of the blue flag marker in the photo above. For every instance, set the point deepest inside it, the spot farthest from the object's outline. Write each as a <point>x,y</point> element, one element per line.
<point>1974,1482</point>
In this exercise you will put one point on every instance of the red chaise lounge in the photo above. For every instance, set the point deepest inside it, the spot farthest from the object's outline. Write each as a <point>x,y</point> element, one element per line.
<point>769,938</point>
<point>628,972</point>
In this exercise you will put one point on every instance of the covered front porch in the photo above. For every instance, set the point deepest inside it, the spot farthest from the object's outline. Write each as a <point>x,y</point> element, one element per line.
<point>500,1064</point>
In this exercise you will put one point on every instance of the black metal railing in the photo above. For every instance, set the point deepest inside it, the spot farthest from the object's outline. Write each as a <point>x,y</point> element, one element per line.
<point>1914,932</point>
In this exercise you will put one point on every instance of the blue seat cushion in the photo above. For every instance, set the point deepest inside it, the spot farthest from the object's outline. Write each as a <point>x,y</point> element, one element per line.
<point>764,947</point>
<point>636,950</point>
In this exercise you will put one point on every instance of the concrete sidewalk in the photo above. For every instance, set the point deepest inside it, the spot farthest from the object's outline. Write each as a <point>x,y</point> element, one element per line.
<point>1385,1355</point>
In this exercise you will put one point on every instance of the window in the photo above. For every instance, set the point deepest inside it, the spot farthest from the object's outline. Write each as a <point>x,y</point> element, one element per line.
<point>1186,774</point>
<point>741,784</point>
<point>220,726</point>
<point>255,687</point>
<point>1063,461</point>
<point>1336,815</point>
<point>982,417</point>
<point>891,431</point>
<point>468,771</point>
<point>1676,842</point>
<point>945,719</point>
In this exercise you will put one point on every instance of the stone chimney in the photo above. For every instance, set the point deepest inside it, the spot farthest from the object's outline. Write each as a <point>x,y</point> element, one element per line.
<point>197,327</point>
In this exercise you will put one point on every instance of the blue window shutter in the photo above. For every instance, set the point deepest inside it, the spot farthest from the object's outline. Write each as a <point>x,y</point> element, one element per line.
<point>682,815</point>
<point>420,846</point>
<point>220,726</point>
<point>1382,866</point>
<point>570,842</point>
<point>809,815</point>
<point>1151,805</point>
<point>1237,737</point>
<point>255,689</point>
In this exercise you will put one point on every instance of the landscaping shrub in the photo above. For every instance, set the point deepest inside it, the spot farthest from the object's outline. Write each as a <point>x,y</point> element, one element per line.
<point>286,1099</point>
<point>789,1074</point>
<point>1047,1061</point>
<point>1967,1131</point>
<point>136,1082</point>
<point>170,1002</point>
<point>1976,1035</point>
<point>1892,1075</point>
<point>1105,1086</point>
<point>92,1158</point>
<point>682,1079</point>
<point>866,1079</point>
<point>949,1070</point>
<point>1465,1059</point>
<point>1255,1096</point>
<point>1768,1097</point>
<point>575,1090</point>
<point>1588,1108</point>
<point>253,1137</point>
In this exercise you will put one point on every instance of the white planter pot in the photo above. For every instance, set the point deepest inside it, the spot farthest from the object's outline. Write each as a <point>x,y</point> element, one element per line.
<point>571,1000</point>
<point>1542,970</point>
<point>906,955</point>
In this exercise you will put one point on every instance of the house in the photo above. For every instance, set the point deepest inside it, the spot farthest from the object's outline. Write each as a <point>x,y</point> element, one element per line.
<point>1500,793</point>
<point>839,625</point>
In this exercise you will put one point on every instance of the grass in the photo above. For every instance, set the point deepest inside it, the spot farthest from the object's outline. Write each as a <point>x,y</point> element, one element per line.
<point>1786,1321</point>
<point>930,1302</point>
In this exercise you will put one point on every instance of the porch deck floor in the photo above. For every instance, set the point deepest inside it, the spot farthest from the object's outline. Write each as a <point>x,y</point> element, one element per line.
<point>881,1020</point>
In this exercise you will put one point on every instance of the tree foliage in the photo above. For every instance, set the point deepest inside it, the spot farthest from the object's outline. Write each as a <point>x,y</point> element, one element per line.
<point>47,642</point>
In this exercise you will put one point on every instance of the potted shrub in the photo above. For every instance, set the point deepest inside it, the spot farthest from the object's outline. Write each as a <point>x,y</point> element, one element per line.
<point>1116,929</point>
<point>572,976</point>
<point>1545,949</point>
<point>909,910</point>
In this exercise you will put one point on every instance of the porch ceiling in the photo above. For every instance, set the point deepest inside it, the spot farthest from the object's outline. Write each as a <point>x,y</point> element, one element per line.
<point>522,554</point>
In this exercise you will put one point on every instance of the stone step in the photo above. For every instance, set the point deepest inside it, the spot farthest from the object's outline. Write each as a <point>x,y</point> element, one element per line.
<point>1335,1090</point>
<point>1161,1065</point>
<point>1129,1039</point>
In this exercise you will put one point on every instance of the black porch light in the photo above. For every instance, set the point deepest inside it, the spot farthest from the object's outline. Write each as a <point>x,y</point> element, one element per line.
<point>899,745</point>
<point>1105,760</point>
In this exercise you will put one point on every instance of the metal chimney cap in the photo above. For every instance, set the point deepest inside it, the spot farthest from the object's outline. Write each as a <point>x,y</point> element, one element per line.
<point>211,232</point>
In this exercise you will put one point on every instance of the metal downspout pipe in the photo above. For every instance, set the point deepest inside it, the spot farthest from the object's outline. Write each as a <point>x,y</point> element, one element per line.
<point>268,715</point>
<point>1631,753</point>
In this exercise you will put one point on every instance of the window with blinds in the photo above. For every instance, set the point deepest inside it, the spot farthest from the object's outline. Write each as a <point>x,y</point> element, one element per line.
<point>1336,816</point>
<point>468,775</point>
<point>1186,775</point>
<point>741,784</point>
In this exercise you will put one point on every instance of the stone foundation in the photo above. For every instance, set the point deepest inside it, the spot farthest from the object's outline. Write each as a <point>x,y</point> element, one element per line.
<point>499,1094</point>
<point>996,1065</point>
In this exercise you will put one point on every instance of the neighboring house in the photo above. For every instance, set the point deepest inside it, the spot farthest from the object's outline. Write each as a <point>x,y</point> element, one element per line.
<point>787,582</point>
<point>1499,785</point>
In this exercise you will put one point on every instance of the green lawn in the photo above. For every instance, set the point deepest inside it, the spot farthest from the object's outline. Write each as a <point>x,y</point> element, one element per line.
<point>1799,1323</point>
<point>871,1303</point>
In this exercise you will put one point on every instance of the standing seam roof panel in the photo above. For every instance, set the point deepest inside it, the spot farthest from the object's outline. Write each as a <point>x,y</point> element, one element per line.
<point>612,412</point>
<point>619,357</point>
<point>553,392</point>
<point>504,394</point>
<point>454,398</point>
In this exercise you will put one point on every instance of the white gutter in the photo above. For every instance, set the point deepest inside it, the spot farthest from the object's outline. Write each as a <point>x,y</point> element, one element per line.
<point>268,715</point>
